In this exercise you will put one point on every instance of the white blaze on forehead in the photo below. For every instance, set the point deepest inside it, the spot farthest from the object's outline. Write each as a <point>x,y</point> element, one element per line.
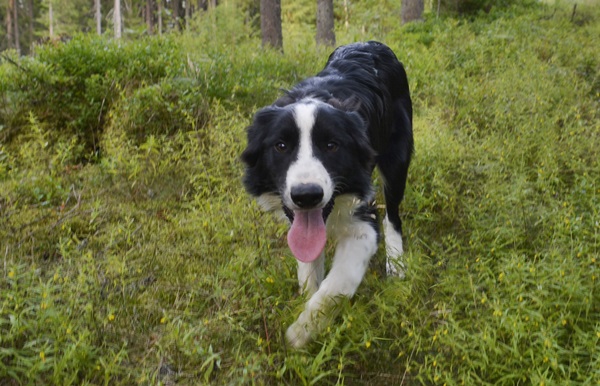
<point>305,116</point>
<point>306,169</point>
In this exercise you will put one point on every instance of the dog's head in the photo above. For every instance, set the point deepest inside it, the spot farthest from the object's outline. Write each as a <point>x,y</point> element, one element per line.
<point>306,153</point>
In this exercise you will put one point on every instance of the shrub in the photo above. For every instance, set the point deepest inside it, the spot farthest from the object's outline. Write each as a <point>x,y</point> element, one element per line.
<point>474,6</point>
<point>165,107</point>
<point>151,266</point>
<point>71,87</point>
<point>247,76</point>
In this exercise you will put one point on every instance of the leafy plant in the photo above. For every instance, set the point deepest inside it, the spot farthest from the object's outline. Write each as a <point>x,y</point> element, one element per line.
<point>151,265</point>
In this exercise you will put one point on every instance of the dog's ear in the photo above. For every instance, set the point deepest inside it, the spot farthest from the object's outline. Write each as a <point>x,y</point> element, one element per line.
<point>256,134</point>
<point>251,153</point>
<point>350,104</point>
<point>284,100</point>
<point>361,138</point>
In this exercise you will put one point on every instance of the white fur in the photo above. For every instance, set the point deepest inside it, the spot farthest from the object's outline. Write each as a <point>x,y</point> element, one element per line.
<point>269,202</point>
<point>310,275</point>
<point>307,169</point>
<point>393,250</point>
<point>356,243</point>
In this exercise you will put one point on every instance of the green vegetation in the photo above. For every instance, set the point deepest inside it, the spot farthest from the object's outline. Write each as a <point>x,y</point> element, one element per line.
<point>131,255</point>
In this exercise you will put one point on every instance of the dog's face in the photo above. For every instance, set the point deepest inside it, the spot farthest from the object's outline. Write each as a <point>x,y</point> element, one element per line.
<point>306,153</point>
<point>301,156</point>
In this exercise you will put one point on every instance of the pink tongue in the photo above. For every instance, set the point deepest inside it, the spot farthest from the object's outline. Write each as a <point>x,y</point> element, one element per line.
<point>307,235</point>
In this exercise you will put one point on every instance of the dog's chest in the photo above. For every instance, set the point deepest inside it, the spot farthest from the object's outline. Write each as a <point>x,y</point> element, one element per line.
<point>342,221</point>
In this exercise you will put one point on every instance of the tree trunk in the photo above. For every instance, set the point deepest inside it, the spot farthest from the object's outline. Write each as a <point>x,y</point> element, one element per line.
<point>9,24</point>
<point>117,19</point>
<point>177,14</point>
<point>270,24</point>
<point>150,17</point>
<point>411,10</point>
<point>188,14</point>
<point>50,20</point>
<point>98,16</point>
<point>160,26</point>
<point>16,26</point>
<point>325,25</point>
<point>30,25</point>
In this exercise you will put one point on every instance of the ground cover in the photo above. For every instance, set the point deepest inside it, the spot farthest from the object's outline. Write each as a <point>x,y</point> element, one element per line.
<point>131,255</point>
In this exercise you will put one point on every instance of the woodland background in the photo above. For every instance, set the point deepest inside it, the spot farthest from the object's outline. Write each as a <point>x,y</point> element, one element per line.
<point>27,22</point>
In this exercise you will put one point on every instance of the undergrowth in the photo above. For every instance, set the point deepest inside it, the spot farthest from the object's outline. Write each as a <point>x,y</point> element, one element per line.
<point>131,254</point>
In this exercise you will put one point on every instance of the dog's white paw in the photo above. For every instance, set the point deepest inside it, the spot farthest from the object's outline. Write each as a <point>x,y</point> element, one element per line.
<point>394,267</point>
<point>298,334</point>
<point>393,249</point>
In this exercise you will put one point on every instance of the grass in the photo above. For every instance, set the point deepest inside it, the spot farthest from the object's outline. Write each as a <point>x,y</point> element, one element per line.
<point>148,264</point>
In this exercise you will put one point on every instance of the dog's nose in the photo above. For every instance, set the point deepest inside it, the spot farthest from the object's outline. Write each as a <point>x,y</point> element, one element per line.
<point>306,195</point>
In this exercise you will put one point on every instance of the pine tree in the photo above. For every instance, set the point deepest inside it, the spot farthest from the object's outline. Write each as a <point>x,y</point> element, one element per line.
<point>117,19</point>
<point>9,24</point>
<point>325,24</point>
<point>98,16</point>
<point>270,23</point>
<point>411,10</point>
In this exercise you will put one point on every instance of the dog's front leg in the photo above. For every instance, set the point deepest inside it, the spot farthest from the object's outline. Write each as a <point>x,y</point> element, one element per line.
<point>310,275</point>
<point>352,255</point>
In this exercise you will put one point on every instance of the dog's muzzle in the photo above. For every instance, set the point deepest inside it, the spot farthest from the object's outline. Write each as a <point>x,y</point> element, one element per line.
<point>306,196</point>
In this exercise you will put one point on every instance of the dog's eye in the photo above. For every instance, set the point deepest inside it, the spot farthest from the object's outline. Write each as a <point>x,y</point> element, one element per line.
<point>331,147</point>
<point>281,147</point>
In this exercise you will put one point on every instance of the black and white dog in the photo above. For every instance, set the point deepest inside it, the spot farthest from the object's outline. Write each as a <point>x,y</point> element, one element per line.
<point>312,154</point>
